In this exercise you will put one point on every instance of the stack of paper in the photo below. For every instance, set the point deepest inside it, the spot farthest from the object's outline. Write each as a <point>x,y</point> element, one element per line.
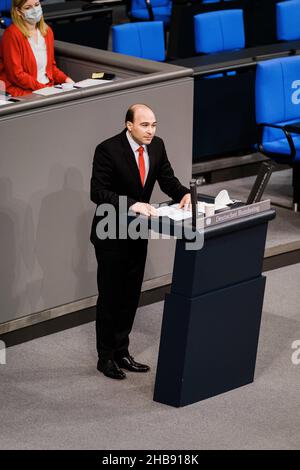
<point>173,212</point>
<point>47,91</point>
<point>89,82</point>
<point>53,90</point>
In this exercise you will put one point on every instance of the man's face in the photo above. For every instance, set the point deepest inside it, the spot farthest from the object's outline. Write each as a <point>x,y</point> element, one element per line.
<point>144,126</point>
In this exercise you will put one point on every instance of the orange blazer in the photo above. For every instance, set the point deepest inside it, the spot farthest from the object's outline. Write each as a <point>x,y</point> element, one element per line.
<point>18,67</point>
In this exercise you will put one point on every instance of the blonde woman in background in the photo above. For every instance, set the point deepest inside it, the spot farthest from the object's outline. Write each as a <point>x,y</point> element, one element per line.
<point>27,60</point>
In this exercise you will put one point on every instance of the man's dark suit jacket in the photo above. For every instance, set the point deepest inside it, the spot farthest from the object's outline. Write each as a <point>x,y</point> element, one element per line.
<point>116,173</point>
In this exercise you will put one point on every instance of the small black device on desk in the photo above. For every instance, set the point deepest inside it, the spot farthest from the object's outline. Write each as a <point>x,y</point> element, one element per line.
<point>4,95</point>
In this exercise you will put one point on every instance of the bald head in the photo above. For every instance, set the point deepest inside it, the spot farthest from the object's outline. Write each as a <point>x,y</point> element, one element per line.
<point>141,123</point>
<point>130,114</point>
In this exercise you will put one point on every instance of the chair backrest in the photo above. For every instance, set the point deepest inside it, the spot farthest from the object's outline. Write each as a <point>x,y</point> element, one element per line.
<point>277,90</point>
<point>5,6</point>
<point>218,31</point>
<point>288,20</point>
<point>141,4</point>
<point>141,39</point>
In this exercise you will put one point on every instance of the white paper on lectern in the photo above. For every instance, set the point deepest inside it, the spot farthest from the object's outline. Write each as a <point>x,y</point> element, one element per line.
<point>173,212</point>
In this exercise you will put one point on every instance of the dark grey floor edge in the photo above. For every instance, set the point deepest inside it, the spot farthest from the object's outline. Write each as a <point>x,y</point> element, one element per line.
<point>281,260</point>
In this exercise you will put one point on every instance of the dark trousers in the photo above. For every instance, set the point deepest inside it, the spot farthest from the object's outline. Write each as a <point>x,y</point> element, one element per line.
<point>121,265</point>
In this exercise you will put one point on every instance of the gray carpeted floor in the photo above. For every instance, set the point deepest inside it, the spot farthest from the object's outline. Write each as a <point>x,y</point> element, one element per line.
<point>52,397</point>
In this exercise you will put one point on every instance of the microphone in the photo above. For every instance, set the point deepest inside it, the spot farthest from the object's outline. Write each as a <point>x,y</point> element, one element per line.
<point>193,189</point>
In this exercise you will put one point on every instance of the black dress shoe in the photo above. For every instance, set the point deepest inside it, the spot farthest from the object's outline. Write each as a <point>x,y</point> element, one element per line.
<point>111,369</point>
<point>127,362</point>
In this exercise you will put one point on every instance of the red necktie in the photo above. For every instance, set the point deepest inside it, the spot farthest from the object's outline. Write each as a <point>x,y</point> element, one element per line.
<point>142,164</point>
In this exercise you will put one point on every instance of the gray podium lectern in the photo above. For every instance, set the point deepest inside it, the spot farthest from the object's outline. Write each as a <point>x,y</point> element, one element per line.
<point>211,317</point>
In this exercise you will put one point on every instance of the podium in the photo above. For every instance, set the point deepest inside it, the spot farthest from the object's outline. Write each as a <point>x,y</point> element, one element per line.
<point>212,316</point>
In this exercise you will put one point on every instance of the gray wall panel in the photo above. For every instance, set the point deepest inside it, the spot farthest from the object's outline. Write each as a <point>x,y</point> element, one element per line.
<point>45,211</point>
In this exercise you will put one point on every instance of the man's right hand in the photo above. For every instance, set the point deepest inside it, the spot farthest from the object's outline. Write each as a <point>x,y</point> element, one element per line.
<point>144,209</point>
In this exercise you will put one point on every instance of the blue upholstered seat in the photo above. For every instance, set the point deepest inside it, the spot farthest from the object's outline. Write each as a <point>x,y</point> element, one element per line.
<point>142,39</point>
<point>4,22</point>
<point>288,20</point>
<point>219,31</point>
<point>161,10</point>
<point>5,6</point>
<point>278,103</point>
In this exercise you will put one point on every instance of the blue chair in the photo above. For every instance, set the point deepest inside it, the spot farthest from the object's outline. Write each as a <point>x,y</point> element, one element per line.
<point>277,91</point>
<point>218,31</point>
<point>5,20</point>
<point>142,39</point>
<point>161,10</point>
<point>288,18</point>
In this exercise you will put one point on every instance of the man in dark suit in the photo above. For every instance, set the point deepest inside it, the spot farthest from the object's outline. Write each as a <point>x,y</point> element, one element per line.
<point>127,164</point>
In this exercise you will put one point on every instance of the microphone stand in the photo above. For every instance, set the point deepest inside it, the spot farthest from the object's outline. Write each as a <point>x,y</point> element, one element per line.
<point>193,189</point>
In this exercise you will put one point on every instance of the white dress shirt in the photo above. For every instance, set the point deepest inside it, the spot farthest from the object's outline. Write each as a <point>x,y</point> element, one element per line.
<point>135,148</point>
<point>40,53</point>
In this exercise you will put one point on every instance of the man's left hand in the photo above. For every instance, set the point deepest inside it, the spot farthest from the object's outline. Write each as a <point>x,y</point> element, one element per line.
<point>185,202</point>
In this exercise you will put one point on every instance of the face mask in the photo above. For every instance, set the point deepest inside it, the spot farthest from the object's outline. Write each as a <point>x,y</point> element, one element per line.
<point>33,15</point>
